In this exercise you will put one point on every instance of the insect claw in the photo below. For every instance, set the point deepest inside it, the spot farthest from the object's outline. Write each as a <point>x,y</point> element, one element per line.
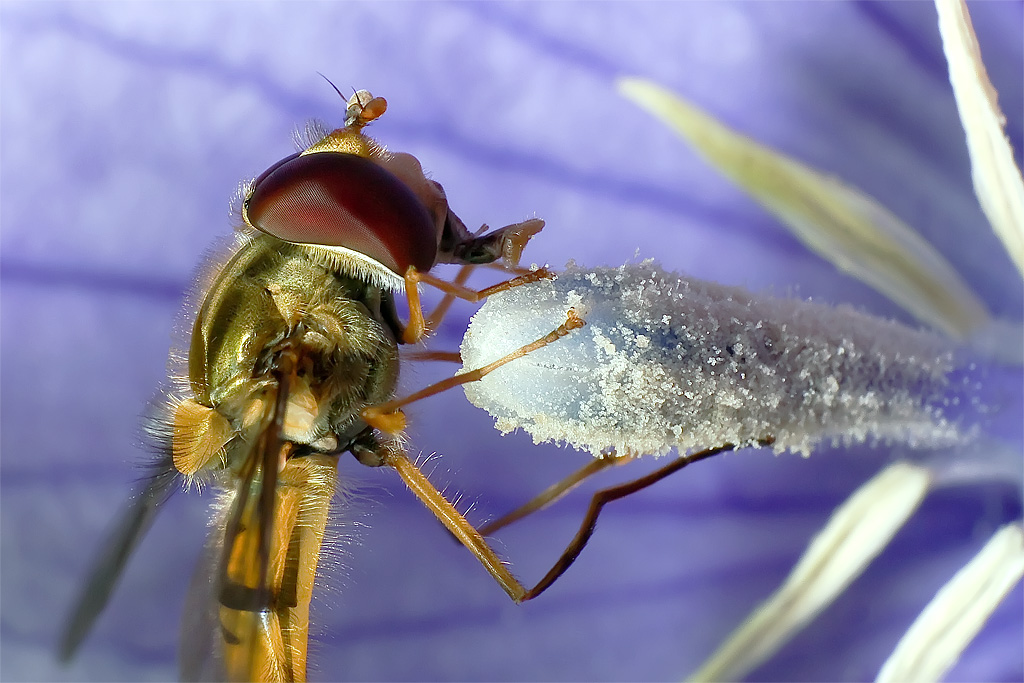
<point>573,321</point>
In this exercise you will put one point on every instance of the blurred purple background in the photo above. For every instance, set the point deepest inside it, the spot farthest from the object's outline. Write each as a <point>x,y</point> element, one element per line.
<point>126,129</point>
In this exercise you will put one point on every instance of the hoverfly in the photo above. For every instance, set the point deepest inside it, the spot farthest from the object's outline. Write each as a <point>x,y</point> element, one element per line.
<point>293,361</point>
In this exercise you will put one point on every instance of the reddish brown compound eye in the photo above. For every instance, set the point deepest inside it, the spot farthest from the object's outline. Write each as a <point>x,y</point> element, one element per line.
<point>342,200</point>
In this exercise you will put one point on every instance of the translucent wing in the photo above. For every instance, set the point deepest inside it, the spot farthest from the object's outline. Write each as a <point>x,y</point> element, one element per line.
<point>132,525</point>
<point>247,616</point>
<point>252,651</point>
<point>201,657</point>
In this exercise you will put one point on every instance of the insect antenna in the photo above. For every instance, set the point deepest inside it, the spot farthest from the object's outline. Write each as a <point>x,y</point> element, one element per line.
<point>329,82</point>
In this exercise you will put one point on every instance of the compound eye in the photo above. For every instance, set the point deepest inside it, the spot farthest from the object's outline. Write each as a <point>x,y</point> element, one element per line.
<point>343,200</point>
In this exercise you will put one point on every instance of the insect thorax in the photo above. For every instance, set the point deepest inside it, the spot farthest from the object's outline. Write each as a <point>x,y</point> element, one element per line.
<point>269,296</point>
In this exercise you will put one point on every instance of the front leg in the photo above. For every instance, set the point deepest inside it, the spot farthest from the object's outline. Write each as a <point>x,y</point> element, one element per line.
<point>416,327</point>
<point>388,418</point>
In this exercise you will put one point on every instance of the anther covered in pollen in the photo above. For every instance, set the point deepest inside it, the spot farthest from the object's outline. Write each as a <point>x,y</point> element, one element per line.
<point>670,362</point>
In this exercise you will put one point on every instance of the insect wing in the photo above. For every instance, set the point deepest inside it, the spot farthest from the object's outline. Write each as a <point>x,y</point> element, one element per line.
<point>247,616</point>
<point>132,525</point>
<point>271,644</point>
<point>250,650</point>
<point>201,654</point>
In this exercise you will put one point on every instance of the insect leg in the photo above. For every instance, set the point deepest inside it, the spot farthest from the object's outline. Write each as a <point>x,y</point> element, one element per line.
<point>474,541</point>
<point>446,356</point>
<point>507,267</point>
<point>439,312</point>
<point>416,327</point>
<point>515,239</point>
<point>597,503</point>
<point>454,521</point>
<point>386,416</point>
<point>555,492</point>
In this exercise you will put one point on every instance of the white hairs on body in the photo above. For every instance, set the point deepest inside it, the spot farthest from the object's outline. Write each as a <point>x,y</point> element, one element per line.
<point>670,362</point>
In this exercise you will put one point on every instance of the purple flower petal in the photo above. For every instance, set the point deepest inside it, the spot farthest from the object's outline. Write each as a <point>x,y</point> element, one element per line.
<point>127,128</point>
